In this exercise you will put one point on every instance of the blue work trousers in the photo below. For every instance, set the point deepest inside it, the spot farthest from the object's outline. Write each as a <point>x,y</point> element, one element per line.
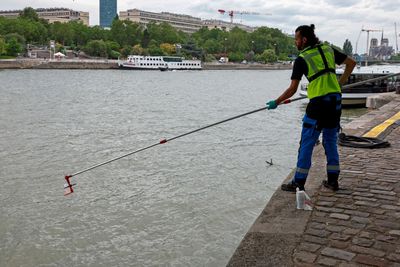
<point>327,114</point>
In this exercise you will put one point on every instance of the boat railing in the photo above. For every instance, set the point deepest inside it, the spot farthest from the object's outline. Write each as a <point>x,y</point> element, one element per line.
<point>373,80</point>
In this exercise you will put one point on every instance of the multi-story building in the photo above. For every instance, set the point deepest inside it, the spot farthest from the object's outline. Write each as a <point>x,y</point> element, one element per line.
<point>53,15</point>
<point>226,26</point>
<point>184,23</point>
<point>108,11</point>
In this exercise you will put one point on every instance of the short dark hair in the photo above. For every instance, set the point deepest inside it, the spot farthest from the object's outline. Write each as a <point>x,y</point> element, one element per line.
<point>308,32</point>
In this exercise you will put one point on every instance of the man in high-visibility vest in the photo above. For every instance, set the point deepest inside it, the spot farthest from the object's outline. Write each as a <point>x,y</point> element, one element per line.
<point>318,63</point>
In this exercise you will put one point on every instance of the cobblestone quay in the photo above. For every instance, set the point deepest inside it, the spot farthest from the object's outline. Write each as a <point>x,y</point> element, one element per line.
<point>358,225</point>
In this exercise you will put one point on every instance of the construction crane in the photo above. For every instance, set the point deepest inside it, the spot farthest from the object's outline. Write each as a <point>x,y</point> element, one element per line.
<point>233,13</point>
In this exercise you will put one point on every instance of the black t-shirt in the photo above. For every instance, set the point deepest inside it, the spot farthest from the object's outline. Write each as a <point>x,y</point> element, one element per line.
<point>300,66</point>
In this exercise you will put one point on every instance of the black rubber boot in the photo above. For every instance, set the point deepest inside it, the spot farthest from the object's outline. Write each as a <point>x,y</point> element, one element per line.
<point>291,186</point>
<point>332,182</point>
<point>331,185</point>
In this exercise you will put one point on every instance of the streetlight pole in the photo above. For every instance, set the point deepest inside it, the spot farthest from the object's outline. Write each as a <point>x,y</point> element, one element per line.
<point>225,46</point>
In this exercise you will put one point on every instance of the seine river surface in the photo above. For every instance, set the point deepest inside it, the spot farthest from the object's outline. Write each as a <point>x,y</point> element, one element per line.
<point>185,203</point>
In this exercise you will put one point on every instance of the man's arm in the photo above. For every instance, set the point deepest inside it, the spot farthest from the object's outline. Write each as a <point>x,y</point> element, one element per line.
<point>350,64</point>
<point>289,92</point>
<point>299,68</point>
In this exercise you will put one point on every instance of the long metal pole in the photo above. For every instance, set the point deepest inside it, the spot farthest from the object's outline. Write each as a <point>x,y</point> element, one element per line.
<point>67,177</point>
<point>179,136</point>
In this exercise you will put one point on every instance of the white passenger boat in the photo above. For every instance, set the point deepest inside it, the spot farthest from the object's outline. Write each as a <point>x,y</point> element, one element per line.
<point>357,96</point>
<point>159,63</point>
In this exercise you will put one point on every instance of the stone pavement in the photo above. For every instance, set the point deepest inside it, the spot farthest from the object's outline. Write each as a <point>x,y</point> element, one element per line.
<point>358,225</point>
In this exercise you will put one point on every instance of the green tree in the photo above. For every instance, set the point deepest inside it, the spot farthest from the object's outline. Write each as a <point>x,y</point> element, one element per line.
<point>250,56</point>
<point>20,39</point>
<point>3,46</point>
<point>80,33</point>
<point>212,46</point>
<point>125,32</point>
<point>237,41</point>
<point>168,49</point>
<point>13,47</point>
<point>62,33</point>
<point>112,49</point>
<point>236,56</point>
<point>395,57</point>
<point>169,34</point>
<point>98,33</point>
<point>33,31</point>
<point>209,58</point>
<point>29,13</point>
<point>268,56</point>
<point>191,50</point>
<point>155,50</point>
<point>347,48</point>
<point>137,50</point>
<point>145,39</point>
<point>133,32</point>
<point>96,48</point>
<point>126,51</point>
<point>117,32</point>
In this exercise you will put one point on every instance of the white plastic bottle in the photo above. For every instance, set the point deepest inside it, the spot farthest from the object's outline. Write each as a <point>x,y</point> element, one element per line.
<point>300,199</point>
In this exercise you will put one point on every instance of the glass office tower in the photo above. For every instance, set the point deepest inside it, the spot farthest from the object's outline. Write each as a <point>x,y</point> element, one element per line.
<point>108,11</point>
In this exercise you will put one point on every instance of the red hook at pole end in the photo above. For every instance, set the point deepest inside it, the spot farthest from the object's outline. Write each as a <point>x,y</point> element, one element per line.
<point>68,187</point>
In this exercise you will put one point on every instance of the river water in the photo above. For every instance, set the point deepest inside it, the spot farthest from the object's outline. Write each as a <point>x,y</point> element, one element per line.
<point>185,203</point>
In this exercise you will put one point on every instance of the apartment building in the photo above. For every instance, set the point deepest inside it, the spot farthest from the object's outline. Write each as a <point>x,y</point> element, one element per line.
<point>53,15</point>
<point>184,23</point>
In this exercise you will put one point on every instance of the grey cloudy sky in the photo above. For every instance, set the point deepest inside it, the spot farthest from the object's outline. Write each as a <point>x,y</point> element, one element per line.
<point>335,20</point>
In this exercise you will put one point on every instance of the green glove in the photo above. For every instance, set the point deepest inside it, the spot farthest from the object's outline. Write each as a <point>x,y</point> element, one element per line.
<point>272,104</point>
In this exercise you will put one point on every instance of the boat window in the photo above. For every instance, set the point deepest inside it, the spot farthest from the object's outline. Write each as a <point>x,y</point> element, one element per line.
<point>172,59</point>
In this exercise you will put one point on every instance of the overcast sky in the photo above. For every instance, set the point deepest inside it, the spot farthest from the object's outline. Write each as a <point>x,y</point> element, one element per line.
<point>335,20</point>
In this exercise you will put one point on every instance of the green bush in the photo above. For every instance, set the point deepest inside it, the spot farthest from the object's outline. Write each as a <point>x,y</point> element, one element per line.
<point>236,57</point>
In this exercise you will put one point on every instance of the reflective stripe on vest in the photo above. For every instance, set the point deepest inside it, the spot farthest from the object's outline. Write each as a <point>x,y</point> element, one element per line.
<point>321,75</point>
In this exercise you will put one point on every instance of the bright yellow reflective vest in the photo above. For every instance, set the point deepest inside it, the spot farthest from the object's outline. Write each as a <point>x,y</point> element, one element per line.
<point>321,75</point>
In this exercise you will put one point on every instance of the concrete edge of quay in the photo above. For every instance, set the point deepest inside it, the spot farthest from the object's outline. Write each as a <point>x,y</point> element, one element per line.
<point>276,234</point>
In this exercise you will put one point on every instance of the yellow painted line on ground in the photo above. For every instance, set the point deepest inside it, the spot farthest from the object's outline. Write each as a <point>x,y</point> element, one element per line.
<point>377,130</point>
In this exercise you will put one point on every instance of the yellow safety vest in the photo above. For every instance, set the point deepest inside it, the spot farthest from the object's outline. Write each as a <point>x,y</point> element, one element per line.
<point>320,61</point>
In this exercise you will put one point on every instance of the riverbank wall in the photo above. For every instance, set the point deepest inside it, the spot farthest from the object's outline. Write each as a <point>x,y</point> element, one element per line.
<point>58,64</point>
